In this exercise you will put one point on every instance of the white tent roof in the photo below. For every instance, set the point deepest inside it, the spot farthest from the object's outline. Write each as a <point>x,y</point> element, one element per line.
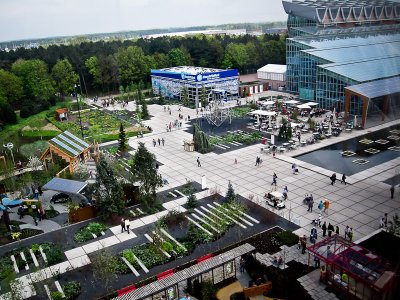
<point>311,103</point>
<point>262,113</point>
<point>267,102</point>
<point>291,102</point>
<point>272,68</point>
<point>305,106</point>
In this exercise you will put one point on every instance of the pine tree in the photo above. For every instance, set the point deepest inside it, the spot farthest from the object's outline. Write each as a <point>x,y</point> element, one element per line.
<point>145,111</point>
<point>108,190</point>
<point>161,100</point>
<point>122,146</point>
<point>230,194</point>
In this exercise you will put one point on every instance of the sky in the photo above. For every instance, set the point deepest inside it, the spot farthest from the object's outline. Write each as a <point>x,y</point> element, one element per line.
<point>29,19</point>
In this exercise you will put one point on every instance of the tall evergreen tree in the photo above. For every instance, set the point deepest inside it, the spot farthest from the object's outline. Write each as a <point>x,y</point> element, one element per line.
<point>230,193</point>
<point>122,142</point>
<point>145,111</point>
<point>108,190</point>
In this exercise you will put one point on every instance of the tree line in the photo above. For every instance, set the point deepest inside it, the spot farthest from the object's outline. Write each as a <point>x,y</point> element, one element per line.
<point>32,79</point>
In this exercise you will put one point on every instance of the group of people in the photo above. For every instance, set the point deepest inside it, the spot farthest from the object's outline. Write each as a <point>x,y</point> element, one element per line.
<point>37,213</point>
<point>333,179</point>
<point>323,206</point>
<point>159,141</point>
<point>125,224</point>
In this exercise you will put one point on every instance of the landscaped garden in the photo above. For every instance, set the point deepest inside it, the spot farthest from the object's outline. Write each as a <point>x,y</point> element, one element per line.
<point>97,125</point>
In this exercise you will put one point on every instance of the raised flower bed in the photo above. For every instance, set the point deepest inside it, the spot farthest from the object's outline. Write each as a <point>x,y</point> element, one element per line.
<point>89,232</point>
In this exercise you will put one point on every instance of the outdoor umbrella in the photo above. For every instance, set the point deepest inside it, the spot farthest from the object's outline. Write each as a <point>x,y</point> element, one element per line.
<point>14,202</point>
<point>291,102</point>
<point>304,106</point>
<point>6,201</point>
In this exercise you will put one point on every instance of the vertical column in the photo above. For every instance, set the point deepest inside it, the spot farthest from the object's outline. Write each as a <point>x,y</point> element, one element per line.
<point>364,111</point>
<point>347,97</point>
<point>385,108</point>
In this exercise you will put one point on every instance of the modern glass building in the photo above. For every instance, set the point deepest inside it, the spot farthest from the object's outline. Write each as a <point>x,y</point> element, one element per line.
<point>176,81</point>
<point>337,44</point>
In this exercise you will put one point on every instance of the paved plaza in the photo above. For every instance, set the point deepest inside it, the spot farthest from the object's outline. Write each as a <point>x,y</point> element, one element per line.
<point>359,204</point>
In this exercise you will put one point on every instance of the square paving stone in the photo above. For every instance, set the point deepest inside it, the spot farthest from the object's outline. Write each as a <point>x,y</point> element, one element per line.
<point>80,261</point>
<point>110,241</point>
<point>73,253</point>
<point>122,237</point>
<point>92,247</point>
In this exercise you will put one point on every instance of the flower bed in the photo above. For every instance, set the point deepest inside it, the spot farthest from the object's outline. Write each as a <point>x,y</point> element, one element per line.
<point>149,255</point>
<point>266,242</point>
<point>243,138</point>
<point>53,253</point>
<point>86,233</point>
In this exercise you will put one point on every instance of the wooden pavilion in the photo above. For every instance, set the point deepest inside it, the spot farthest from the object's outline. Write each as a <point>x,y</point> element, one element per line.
<point>69,147</point>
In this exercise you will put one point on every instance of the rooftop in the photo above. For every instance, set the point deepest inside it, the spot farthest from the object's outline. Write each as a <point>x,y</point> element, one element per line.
<point>343,11</point>
<point>377,88</point>
<point>191,70</point>
<point>367,70</point>
<point>359,52</point>
<point>69,143</point>
<point>271,68</point>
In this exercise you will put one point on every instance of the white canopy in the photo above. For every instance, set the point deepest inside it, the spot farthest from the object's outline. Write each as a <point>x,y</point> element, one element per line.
<point>295,124</point>
<point>262,113</point>
<point>312,103</point>
<point>291,102</point>
<point>267,102</point>
<point>303,106</point>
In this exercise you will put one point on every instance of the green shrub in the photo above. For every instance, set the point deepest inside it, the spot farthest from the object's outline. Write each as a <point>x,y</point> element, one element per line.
<point>53,252</point>
<point>35,248</point>
<point>86,233</point>
<point>56,295</point>
<point>72,290</point>
<point>287,238</point>
<point>128,255</point>
<point>167,247</point>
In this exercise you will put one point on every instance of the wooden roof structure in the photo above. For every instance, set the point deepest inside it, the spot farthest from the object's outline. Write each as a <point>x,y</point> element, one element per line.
<point>69,147</point>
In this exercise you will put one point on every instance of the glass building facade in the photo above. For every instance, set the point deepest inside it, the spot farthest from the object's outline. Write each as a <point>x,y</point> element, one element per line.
<point>326,38</point>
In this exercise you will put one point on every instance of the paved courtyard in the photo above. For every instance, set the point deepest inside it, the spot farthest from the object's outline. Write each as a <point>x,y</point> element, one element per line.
<point>359,204</point>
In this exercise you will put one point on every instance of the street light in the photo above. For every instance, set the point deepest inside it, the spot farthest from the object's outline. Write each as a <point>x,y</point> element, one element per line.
<point>10,146</point>
<point>79,108</point>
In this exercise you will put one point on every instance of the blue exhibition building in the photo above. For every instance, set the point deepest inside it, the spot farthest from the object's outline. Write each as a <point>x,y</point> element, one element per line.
<point>174,82</point>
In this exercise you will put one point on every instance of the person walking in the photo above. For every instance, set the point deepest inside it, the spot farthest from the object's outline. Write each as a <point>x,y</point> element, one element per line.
<point>257,161</point>
<point>320,206</point>
<point>330,229</point>
<point>323,229</point>
<point>127,225</point>
<point>392,191</point>
<point>310,205</point>
<point>154,142</point>
<point>350,234</point>
<point>303,244</point>
<point>159,142</point>
<point>313,235</point>
<point>39,213</point>
<point>346,231</point>
<point>285,192</point>
<point>343,179</point>
<point>326,206</point>
<point>163,142</point>
<point>198,162</point>
<point>241,265</point>
<point>337,230</point>
<point>333,178</point>
<point>274,177</point>
<point>122,225</point>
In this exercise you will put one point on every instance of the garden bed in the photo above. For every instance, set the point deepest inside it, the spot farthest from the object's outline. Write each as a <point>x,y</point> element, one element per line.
<point>89,232</point>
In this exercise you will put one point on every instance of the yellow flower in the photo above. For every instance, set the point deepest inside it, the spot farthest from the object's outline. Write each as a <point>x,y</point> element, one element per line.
<point>15,235</point>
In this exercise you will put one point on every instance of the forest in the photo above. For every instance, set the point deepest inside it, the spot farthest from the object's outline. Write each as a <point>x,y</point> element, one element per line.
<point>33,79</point>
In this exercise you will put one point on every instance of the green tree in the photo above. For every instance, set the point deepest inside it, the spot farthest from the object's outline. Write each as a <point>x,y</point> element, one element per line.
<point>185,96</point>
<point>230,193</point>
<point>179,57</point>
<point>122,142</point>
<point>104,268</point>
<point>11,88</point>
<point>131,64</point>
<point>238,54</point>
<point>200,140</point>
<point>161,99</point>
<point>7,114</point>
<point>108,190</point>
<point>191,201</point>
<point>394,225</point>
<point>203,96</point>
<point>92,64</point>
<point>144,110</point>
<point>35,77</point>
<point>64,77</point>
<point>208,290</point>
<point>144,172</point>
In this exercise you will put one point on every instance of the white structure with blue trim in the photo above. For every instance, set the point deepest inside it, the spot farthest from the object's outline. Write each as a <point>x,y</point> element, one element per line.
<point>219,84</point>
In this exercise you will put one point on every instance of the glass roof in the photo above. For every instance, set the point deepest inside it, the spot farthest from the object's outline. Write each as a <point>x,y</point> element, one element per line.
<point>358,52</point>
<point>346,41</point>
<point>377,88</point>
<point>367,70</point>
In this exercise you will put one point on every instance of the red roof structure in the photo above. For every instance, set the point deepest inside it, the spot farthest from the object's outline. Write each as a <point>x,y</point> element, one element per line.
<point>369,276</point>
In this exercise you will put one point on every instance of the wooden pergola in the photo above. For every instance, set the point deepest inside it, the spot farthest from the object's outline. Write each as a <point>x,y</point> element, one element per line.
<point>69,147</point>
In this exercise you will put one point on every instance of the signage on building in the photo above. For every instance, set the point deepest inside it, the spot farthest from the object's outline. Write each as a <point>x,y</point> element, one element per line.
<point>203,77</point>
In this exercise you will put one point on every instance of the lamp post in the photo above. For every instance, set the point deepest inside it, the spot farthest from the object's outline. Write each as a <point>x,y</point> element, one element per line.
<point>79,108</point>
<point>10,146</point>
